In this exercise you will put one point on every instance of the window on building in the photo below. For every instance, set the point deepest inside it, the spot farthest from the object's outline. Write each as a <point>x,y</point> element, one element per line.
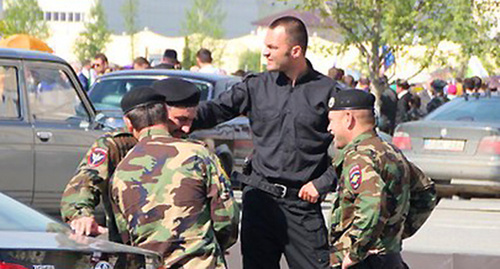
<point>63,16</point>
<point>48,16</point>
<point>78,16</point>
<point>55,16</point>
<point>70,16</point>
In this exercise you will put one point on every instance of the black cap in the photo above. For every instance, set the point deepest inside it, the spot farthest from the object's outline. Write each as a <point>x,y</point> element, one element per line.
<point>178,92</point>
<point>351,99</point>
<point>140,96</point>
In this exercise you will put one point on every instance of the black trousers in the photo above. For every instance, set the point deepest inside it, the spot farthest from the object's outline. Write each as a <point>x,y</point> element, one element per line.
<point>274,226</point>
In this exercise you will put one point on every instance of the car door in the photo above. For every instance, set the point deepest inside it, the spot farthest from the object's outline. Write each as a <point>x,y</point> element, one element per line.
<point>16,135</point>
<point>61,119</point>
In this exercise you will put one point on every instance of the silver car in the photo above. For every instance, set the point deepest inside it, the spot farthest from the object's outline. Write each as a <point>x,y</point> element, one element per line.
<point>460,141</point>
<point>29,239</point>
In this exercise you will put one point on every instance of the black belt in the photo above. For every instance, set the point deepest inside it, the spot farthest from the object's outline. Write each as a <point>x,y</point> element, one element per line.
<point>275,189</point>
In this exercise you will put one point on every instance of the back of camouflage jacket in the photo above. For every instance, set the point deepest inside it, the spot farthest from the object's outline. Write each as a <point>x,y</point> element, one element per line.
<point>172,196</point>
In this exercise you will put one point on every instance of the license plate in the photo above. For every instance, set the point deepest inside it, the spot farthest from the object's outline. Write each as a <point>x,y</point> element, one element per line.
<point>444,144</point>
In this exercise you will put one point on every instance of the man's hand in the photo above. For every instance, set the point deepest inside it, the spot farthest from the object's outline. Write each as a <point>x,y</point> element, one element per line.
<point>347,262</point>
<point>87,226</point>
<point>309,193</point>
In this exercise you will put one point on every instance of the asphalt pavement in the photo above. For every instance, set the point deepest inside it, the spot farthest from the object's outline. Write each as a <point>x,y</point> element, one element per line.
<point>459,234</point>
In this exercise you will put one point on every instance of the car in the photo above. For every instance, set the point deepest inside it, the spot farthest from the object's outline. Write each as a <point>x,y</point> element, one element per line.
<point>457,143</point>
<point>231,140</point>
<point>47,124</point>
<point>30,239</point>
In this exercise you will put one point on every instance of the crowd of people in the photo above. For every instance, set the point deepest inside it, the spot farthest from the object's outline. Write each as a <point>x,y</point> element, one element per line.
<point>401,101</point>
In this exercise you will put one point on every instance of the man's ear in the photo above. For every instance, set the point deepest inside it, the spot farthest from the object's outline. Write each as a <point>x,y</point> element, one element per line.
<point>296,51</point>
<point>350,120</point>
<point>128,124</point>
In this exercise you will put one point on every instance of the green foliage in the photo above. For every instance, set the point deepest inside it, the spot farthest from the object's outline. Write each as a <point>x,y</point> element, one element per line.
<point>23,17</point>
<point>250,61</point>
<point>94,39</point>
<point>203,26</point>
<point>129,12</point>
<point>371,24</point>
<point>187,57</point>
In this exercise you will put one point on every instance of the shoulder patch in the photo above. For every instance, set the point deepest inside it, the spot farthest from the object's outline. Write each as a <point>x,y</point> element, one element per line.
<point>355,177</point>
<point>97,157</point>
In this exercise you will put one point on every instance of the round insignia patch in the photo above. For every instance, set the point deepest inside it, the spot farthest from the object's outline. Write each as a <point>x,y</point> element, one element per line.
<point>331,102</point>
<point>103,265</point>
<point>97,157</point>
<point>355,177</point>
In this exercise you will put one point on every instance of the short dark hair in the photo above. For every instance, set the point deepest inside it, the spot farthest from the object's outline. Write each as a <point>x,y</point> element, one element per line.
<point>102,57</point>
<point>468,84</point>
<point>141,61</point>
<point>478,82</point>
<point>204,55</point>
<point>364,81</point>
<point>403,84</point>
<point>148,115</point>
<point>295,29</point>
<point>170,54</point>
<point>336,73</point>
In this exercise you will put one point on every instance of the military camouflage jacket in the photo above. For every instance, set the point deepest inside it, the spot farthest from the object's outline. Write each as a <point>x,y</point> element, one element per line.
<point>172,196</point>
<point>380,191</point>
<point>83,192</point>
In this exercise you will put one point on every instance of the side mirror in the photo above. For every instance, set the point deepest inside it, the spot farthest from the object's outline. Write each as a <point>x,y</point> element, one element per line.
<point>103,122</point>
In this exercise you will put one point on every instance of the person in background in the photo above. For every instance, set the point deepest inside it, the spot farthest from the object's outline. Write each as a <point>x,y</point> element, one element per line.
<point>350,82</point>
<point>364,84</point>
<point>404,97</point>
<point>204,63</point>
<point>388,107</point>
<point>169,60</point>
<point>100,64</point>
<point>415,113</point>
<point>439,98</point>
<point>141,63</point>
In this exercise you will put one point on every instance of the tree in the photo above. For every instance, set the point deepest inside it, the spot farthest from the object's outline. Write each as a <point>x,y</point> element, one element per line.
<point>94,39</point>
<point>24,17</point>
<point>250,61</point>
<point>129,12</point>
<point>381,28</point>
<point>203,26</point>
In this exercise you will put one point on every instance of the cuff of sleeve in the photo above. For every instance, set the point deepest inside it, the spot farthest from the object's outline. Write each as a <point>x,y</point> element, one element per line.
<point>81,212</point>
<point>322,185</point>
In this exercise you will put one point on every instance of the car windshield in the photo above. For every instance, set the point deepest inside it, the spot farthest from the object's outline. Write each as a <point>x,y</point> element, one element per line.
<point>477,110</point>
<point>16,216</point>
<point>107,94</point>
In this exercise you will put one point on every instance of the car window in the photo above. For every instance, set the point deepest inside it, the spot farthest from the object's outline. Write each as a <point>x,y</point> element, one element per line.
<point>16,216</point>
<point>107,94</point>
<point>52,96</point>
<point>9,93</point>
<point>481,110</point>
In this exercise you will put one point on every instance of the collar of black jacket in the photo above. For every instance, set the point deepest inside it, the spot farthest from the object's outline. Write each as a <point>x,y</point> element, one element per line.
<point>308,75</point>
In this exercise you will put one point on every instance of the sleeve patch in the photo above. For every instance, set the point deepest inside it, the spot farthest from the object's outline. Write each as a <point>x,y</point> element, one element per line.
<point>97,157</point>
<point>355,177</point>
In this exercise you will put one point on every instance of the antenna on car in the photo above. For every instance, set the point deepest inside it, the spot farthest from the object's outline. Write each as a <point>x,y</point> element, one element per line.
<point>488,93</point>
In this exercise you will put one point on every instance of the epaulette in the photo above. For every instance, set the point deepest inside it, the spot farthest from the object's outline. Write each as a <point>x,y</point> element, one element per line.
<point>121,134</point>
<point>196,141</point>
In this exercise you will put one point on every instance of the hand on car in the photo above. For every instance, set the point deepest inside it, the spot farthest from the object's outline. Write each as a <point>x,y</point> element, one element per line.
<point>87,226</point>
<point>309,193</point>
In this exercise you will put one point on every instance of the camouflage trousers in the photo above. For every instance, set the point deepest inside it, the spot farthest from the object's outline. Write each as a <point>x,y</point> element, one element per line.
<point>382,261</point>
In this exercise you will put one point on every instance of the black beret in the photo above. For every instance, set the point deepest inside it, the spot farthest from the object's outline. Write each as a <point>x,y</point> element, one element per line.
<point>178,92</point>
<point>140,96</point>
<point>351,99</point>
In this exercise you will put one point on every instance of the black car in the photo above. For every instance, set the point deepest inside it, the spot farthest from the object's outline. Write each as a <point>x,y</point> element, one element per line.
<point>231,140</point>
<point>29,239</point>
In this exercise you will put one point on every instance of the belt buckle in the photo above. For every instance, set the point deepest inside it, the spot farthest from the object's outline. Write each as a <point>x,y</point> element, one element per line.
<point>282,188</point>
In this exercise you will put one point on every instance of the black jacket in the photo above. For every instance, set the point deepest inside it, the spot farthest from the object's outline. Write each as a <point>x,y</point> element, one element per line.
<point>289,124</point>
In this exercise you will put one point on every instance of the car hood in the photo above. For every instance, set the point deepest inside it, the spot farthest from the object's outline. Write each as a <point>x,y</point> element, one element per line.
<point>64,241</point>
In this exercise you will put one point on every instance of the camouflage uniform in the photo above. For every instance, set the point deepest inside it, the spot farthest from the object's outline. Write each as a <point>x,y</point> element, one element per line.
<point>83,192</point>
<point>382,199</point>
<point>172,196</point>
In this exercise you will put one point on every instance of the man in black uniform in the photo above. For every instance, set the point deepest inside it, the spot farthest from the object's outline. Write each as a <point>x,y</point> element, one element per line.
<point>288,111</point>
